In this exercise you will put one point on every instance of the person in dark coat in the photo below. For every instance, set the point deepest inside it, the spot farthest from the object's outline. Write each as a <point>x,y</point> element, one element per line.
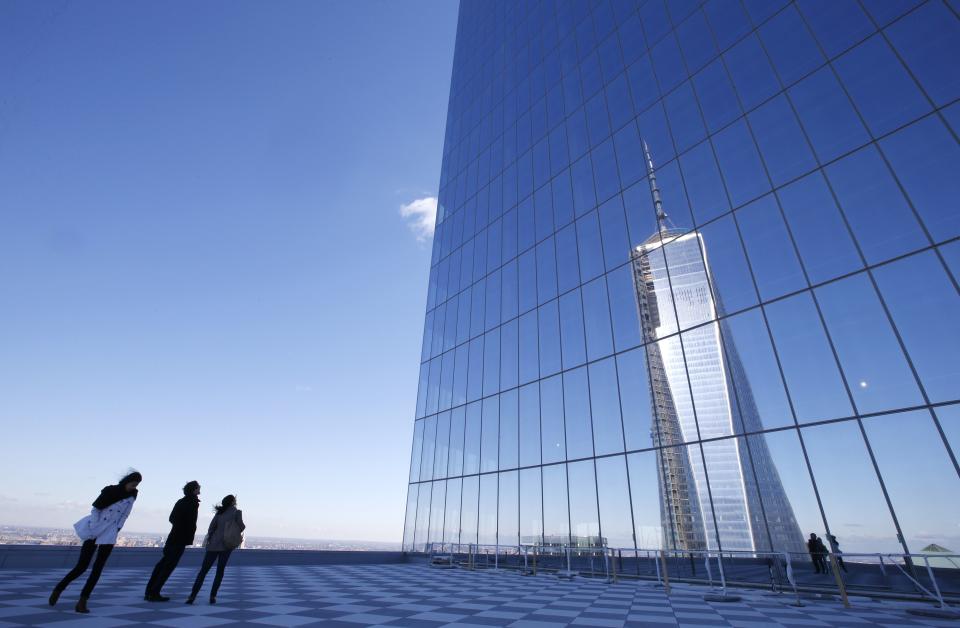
<point>183,519</point>
<point>835,548</point>
<point>817,552</point>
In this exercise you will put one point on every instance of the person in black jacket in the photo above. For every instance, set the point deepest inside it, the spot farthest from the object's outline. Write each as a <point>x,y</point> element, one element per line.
<point>183,518</point>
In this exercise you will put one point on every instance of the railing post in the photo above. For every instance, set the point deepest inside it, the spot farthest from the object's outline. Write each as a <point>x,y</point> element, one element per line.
<point>656,563</point>
<point>666,575</point>
<point>839,579</point>
<point>936,587</point>
<point>791,579</point>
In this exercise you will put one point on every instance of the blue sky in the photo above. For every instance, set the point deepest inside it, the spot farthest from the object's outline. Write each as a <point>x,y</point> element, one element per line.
<point>206,271</point>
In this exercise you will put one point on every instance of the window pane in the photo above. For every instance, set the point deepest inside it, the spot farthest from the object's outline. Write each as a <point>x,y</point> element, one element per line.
<point>826,248</point>
<point>771,253</point>
<point>635,398</point>
<point>918,475</point>
<point>740,164</point>
<point>442,454</point>
<point>812,377</point>
<point>782,144</point>
<point>487,520</point>
<point>733,288</point>
<point>925,307</point>
<point>873,363</point>
<point>856,510</point>
<point>576,412</point>
<point>878,214</point>
<point>429,446</point>
<point>468,509</point>
<point>471,440</point>
<point>451,520</point>
<point>531,507</point>
<point>551,420</point>
<point>571,329</point>
<point>929,41</point>
<point>437,511</point>
<point>556,516</point>
<point>529,427</point>
<point>708,198</point>
<point>790,45</point>
<point>528,353</point>
<point>457,421</point>
<point>508,516</point>
<point>491,362</point>
<point>827,115</point>
<point>885,95</point>
<point>416,451</point>
<point>489,434</point>
<point>509,361</point>
<point>605,407</point>
<point>548,322</point>
<point>596,316</point>
<point>645,496</point>
<point>584,517</point>
<point>410,519</point>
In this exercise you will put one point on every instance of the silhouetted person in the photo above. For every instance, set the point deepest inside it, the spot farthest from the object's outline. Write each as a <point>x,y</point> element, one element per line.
<point>817,553</point>
<point>183,519</point>
<point>835,548</point>
<point>98,531</point>
<point>224,535</point>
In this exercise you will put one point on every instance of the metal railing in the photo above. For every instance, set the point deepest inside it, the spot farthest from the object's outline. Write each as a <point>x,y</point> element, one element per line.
<point>909,576</point>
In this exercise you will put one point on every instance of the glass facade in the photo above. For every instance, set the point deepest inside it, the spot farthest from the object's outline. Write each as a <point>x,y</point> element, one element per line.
<point>694,278</point>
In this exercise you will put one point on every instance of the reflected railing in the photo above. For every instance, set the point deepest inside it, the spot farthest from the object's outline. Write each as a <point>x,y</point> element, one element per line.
<point>930,577</point>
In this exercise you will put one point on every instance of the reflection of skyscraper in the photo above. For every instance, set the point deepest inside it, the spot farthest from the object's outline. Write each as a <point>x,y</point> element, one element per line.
<point>697,394</point>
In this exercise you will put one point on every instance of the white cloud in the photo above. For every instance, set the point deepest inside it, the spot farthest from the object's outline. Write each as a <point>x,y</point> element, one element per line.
<point>421,214</point>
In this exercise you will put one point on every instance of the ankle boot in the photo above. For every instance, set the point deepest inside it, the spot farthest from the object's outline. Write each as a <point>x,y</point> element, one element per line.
<point>82,606</point>
<point>191,599</point>
<point>54,597</point>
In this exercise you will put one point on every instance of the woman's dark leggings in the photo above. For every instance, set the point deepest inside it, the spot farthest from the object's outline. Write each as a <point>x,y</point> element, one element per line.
<point>209,558</point>
<point>86,553</point>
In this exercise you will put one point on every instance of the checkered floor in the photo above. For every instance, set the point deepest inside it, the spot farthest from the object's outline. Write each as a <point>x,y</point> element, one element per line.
<point>414,595</point>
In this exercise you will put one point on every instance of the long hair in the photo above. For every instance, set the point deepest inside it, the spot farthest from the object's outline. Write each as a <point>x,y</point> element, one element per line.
<point>132,476</point>
<point>225,503</point>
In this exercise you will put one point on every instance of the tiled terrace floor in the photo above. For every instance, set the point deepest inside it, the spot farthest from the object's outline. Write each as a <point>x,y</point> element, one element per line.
<point>415,595</point>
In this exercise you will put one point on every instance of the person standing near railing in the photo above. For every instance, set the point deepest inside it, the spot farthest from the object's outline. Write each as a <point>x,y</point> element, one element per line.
<point>835,548</point>
<point>818,551</point>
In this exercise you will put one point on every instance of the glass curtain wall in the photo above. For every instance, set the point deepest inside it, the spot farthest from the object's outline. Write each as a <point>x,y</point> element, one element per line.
<point>694,278</point>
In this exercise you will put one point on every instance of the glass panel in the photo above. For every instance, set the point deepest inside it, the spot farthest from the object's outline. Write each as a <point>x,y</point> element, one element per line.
<point>528,353</point>
<point>751,72</point>
<point>584,515</point>
<point>811,372</point>
<point>826,248</point>
<point>708,198</point>
<point>460,371</point>
<point>717,98</point>
<point>429,446</point>
<point>837,25</point>
<point>416,451</point>
<point>925,307</point>
<point>556,516</point>
<point>488,510</point>
<point>529,425</point>
<point>647,506</point>
<point>919,477</point>
<point>880,87</point>
<point>489,434</point>
<point>568,267</point>
<point>856,510</point>
<point>475,370</point>
<point>451,520</point>
<point>446,381</point>
<point>740,164</point>
<point>781,141</point>
<point>531,507</point>
<point>623,308</point>
<point>442,454</point>
<point>769,249</point>
<point>508,517</point>
<point>613,495</point>
<point>735,507</point>
<point>457,422</point>
<point>790,45</point>
<point>926,159</point>
<point>788,498</point>
<point>548,322</point>
<point>437,511</point>
<point>491,362</point>
<point>758,394</point>
<point>732,283</point>
<point>468,509</point>
<point>949,417</point>
<point>409,520</point>
<point>596,319</point>
<point>546,271</point>
<point>509,300</point>
<point>554,446</point>
<point>589,247</point>
<point>471,440</point>
<point>613,229</point>
<point>605,407</point>
<point>509,430</point>
<point>881,220</point>
<point>576,412</point>
<point>420,537</point>
<point>872,361</point>
<point>635,398</point>
<point>528,281</point>
<point>509,360</point>
<point>571,329</point>
<point>827,115</point>
<point>928,39</point>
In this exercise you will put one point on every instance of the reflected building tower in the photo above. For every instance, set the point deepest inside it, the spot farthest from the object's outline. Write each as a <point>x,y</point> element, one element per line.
<point>719,494</point>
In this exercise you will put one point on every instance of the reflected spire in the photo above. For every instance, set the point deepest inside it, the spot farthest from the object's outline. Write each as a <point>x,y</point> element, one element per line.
<point>654,190</point>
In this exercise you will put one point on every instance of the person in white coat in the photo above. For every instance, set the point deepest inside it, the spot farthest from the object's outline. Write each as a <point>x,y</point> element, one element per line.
<point>98,531</point>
